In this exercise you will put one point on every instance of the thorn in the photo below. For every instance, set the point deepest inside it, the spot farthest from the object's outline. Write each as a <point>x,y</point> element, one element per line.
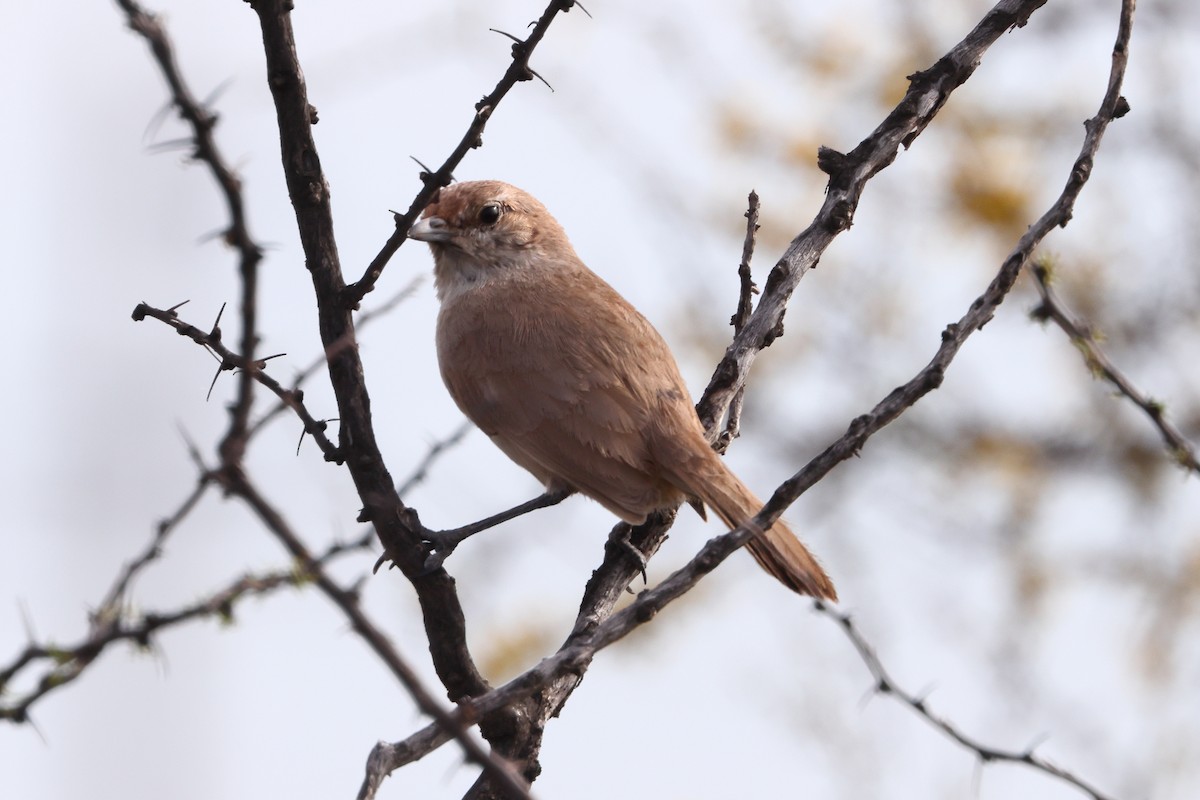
<point>28,720</point>
<point>427,171</point>
<point>171,144</point>
<point>215,93</point>
<point>220,233</point>
<point>262,362</point>
<point>156,121</point>
<point>509,35</point>
<point>27,621</point>
<point>192,450</point>
<point>208,396</point>
<point>1037,742</point>
<point>540,78</point>
<point>216,328</point>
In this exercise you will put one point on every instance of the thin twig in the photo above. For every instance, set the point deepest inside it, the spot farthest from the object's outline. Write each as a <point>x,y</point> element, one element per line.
<point>120,588</point>
<point>69,662</point>
<point>1084,338</point>
<point>229,360</point>
<point>887,686</point>
<point>364,319</point>
<point>236,482</point>
<point>435,451</point>
<point>237,234</point>
<point>518,70</point>
<point>848,175</point>
<point>747,288</point>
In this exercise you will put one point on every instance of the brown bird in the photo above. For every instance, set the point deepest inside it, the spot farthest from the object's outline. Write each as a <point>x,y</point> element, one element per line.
<point>569,380</point>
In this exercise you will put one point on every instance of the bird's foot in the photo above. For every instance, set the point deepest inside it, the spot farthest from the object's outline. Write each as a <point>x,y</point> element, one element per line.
<point>440,545</point>
<point>620,538</point>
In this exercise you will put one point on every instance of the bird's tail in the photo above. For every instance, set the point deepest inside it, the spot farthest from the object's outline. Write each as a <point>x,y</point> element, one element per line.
<point>777,550</point>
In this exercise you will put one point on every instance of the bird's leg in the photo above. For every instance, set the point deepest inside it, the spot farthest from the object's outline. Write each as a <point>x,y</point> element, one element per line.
<point>442,543</point>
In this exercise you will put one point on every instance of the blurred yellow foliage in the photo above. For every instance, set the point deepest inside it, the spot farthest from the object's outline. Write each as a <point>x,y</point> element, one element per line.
<point>515,649</point>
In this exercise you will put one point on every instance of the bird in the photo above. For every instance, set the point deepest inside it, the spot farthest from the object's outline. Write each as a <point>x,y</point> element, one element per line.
<point>569,380</point>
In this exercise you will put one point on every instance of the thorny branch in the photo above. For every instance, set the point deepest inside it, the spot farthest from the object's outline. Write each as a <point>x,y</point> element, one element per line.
<point>202,122</point>
<point>517,72</point>
<point>1084,338</point>
<point>347,601</point>
<point>314,366</point>
<point>747,289</point>
<point>886,685</point>
<point>211,341</point>
<point>848,174</point>
<point>113,623</point>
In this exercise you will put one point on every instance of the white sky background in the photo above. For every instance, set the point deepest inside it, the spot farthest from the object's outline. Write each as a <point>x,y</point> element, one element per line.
<point>737,691</point>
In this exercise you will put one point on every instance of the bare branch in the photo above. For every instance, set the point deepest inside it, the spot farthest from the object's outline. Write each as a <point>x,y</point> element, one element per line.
<point>887,686</point>
<point>848,174</point>
<point>364,319</point>
<point>69,662</point>
<point>236,482</point>
<point>397,525</point>
<point>211,341</point>
<point>1084,338</point>
<point>116,595</point>
<point>740,317</point>
<point>517,71</point>
<point>436,450</point>
<point>984,307</point>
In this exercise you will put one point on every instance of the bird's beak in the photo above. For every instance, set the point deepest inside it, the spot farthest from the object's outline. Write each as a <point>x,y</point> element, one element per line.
<point>430,229</point>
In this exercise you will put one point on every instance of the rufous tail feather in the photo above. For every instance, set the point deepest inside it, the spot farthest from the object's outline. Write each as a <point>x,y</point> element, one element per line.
<point>777,550</point>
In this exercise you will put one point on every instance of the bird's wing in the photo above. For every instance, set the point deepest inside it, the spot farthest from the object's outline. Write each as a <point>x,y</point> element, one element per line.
<point>572,408</point>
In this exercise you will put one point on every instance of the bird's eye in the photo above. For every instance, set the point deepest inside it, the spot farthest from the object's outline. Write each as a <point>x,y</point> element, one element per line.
<point>489,214</point>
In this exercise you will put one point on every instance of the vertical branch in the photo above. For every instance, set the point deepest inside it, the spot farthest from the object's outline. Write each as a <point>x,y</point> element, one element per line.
<point>396,524</point>
<point>202,123</point>
<point>746,290</point>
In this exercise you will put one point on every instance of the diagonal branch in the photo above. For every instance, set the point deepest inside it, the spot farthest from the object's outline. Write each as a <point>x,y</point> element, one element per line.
<point>69,662</point>
<point>211,341</point>
<point>517,71</point>
<point>236,483</point>
<point>1084,338</point>
<point>984,308</point>
<point>112,623</point>
<point>848,174</point>
<point>364,319</point>
<point>886,685</point>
